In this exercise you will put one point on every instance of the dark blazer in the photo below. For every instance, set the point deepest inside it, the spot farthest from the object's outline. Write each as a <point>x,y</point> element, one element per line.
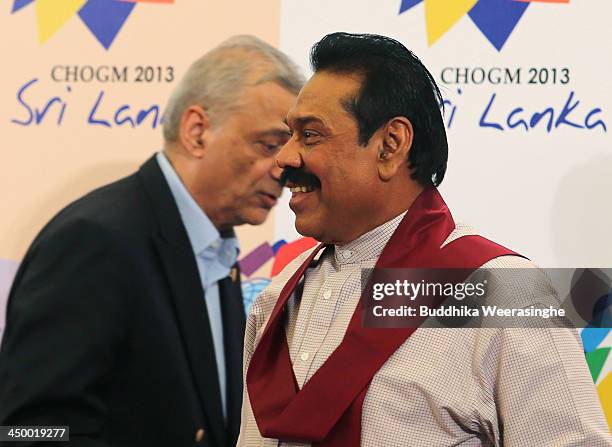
<point>107,329</point>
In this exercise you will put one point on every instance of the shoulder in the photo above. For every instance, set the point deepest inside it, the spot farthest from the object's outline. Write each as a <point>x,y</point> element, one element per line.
<point>463,232</point>
<point>517,282</point>
<point>110,204</point>
<point>108,223</point>
<point>115,208</point>
<point>78,244</point>
<point>501,256</point>
<point>511,278</point>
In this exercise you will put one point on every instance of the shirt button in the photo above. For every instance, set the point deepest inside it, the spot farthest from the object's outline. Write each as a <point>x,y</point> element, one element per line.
<point>347,254</point>
<point>327,294</point>
<point>215,245</point>
<point>304,356</point>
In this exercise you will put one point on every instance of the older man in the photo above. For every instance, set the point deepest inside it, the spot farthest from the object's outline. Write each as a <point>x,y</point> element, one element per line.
<point>368,147</point>
<point>125,321</point>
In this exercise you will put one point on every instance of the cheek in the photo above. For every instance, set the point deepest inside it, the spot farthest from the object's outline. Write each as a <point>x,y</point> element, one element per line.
<point>263,166</point>
<point>338,178</point>
<point>239,161</point>
<point>349,186</point>
<point>254,173</point>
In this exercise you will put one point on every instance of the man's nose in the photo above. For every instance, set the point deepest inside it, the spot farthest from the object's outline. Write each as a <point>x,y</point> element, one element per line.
<point>289,156</point>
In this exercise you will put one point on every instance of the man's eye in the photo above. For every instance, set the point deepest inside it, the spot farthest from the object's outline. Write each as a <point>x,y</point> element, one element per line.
<point>309,136</point>
<point>270,147</point>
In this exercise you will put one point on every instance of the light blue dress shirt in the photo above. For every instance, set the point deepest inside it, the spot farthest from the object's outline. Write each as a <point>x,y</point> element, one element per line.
<point>215,257</point>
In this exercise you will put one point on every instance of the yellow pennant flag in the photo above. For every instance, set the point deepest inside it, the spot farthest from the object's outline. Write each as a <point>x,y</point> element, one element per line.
<point>441,15</point>
<point>51,15</point>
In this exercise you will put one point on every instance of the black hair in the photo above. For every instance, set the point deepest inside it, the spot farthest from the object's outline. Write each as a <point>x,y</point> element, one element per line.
<point>395,83</point>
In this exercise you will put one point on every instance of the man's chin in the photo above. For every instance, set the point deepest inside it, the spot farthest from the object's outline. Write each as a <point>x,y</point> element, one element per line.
<point>308,228</point>
<point>256,216</point>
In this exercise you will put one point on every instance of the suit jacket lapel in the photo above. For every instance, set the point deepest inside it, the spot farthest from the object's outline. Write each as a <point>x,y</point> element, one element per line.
<point>181,270</point>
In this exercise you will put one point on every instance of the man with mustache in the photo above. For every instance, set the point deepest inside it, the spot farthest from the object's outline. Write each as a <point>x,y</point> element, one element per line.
<point>125,321</point>
<point>368,148</point>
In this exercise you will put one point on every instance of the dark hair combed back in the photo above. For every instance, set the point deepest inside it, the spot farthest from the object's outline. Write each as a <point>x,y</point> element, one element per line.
<point>395,83</point>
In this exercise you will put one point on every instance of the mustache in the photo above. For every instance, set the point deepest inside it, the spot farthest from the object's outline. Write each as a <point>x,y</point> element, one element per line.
<point>299,177</point>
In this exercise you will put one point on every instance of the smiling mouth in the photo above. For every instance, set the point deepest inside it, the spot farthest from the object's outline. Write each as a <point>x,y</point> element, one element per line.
<point>296,189</point>
<point>302,196</point>
<point>298,180</point>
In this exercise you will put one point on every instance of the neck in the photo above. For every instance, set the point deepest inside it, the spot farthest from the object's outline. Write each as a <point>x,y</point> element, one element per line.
<point>393,207</point>
<point>189,171</point>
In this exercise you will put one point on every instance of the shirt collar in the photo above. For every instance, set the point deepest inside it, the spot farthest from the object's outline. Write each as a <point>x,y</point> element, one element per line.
<point>369,245</point>
<point>203,235</point>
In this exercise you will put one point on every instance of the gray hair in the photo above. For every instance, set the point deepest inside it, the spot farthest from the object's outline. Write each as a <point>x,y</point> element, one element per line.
<point>216,80</point>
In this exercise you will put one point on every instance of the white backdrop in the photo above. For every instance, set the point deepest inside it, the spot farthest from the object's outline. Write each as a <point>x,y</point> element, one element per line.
<point>542,192</point>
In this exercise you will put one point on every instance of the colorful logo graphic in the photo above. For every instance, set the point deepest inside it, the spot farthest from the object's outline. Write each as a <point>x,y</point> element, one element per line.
<point>496,19</point>
<point>597,352</point>
<point>104,18</point>
<point>282,253</point>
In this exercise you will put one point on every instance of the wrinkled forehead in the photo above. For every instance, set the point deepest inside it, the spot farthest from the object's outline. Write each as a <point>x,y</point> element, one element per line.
<point>323,96</point>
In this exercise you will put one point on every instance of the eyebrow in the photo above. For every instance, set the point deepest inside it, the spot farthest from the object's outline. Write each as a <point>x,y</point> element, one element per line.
<point>303,120</point>
<point>275,133</point>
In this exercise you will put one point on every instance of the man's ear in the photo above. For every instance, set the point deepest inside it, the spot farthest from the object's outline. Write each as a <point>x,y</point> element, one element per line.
<point>397,140</point>
<point>194,123</point>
